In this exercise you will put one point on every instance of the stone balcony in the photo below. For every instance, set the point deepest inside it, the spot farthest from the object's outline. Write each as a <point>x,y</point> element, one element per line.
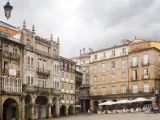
<point>43,71</point>
<point>40,90</point>
<point>11,55</point>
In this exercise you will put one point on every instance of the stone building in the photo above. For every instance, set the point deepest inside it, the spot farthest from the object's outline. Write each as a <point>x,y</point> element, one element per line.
<point>125,72</point>
<point>11,73</point>
<point>83,61</point>
<point>41,82</point>
<point>78,84</point>
<point>67,106</point>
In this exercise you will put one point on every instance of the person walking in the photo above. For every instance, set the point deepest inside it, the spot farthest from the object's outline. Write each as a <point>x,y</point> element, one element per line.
<point>89,112</point>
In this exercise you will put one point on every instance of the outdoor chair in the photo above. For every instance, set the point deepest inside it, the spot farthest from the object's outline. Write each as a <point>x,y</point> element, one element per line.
<point>99,112</point>
<point>109,112</point>
<point>103,112</point>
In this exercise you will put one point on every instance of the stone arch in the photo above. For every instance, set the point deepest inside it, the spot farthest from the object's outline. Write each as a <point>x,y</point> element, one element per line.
<point>28,107</point>
<point>71,110</point>
<point>63,110</point>
<point>41,106</point>
<point>95,106</point>
<point>10,109</point>
<point>53,108</point>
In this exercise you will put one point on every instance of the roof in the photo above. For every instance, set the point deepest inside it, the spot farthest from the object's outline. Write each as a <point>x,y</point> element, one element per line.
<point>67,59</point>
<point>8,26</point>
<point>108,48</point>
<point>143,49</point>
<point>74,58</point>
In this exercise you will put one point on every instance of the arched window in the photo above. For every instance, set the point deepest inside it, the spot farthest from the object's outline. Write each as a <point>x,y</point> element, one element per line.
<point>54,53</point>
<point>28,43</point>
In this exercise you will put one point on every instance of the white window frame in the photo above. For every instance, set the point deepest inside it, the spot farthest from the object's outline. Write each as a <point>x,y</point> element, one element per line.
<point>134,61</point>
<point>103,67</point>
<point>123,89</point>
<point>146,88</point>
<point>124,76</point>
<point>135,88</point>
<point>123,63</point>
<point>113,89</point>
<point>104,90</point>
<point>146,74</point>
<point>145,59</point>
<point>95,79</point>
<point>113,77</point>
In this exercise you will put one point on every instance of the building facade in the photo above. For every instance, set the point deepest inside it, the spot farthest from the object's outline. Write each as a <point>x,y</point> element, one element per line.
<point>83,61</point>
<point>67,106</point>
<point>41,84</point>
<point>11,75</point>
<point>78,79</point>
<point>124,72</point>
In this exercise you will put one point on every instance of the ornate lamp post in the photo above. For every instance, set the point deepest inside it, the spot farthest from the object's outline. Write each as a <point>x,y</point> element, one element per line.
<point>7,9</point>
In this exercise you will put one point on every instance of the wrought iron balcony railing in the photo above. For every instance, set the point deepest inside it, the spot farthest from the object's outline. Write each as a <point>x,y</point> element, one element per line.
<point>11,55</point>
<point>43,71</point>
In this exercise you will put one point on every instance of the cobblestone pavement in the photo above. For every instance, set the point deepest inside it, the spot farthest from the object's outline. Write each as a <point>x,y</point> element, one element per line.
<point>136,116</point>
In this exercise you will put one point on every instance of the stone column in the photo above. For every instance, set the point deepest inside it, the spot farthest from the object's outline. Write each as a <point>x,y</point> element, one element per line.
<point>1,108</point>
<point>84,106</point>
<point>66,112</point>
<point>32,111</point>
<point>49,111</point>
<point>57,108</point>
<point>23,109</point>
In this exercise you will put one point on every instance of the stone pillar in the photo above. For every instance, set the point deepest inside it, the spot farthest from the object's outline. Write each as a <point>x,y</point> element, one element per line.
<point>84,106</point>
<point>1,109</point>
<point>23,109</point>
<point>66,112</point>
<point>49,116</point>
<point>32,112</point>
<point>57,108</point>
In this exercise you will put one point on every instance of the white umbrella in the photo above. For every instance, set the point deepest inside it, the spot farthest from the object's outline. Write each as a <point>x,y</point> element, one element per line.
<point>140,100</point>
<point>107,103</point>
<point>122,102</point>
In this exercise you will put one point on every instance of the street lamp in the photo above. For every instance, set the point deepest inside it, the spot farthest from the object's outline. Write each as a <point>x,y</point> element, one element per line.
<point>7,9</point>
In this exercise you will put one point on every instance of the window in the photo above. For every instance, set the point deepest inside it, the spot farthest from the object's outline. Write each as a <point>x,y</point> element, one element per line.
<point>62,96</point>
<point>66,86</point>
<point>95,68</point>
<point>103,67</point>
<point>71,87</point>
<point>113,89</point>
<point>95,57</point>
<point>14,51</point>
<point>62,85</point>
<point>30,62</point>
<point>113,64</point>
<point>146,74</point>
<point>95,79</point>
<point>135,75</point>
<point>123,76</point>
<point>134,61</point>
<point>113,78</point>
<point>95,92</point>
<point>103,90</point>
<point>28,43</point>
<point>71,97</point>
<point>123,63</point>
<point>66,96</point>
<point>103,78</point>
<point>113,53</point>
<point>29,80</point>
<point>123,51</point>
<point>62,74</point>
<point>146,87</point>
<point>145,59</point>
<point>135,89</point>
<point>66,75</point>
<point>44,65</point>
<point>44,83</point>
<point>123,89</point>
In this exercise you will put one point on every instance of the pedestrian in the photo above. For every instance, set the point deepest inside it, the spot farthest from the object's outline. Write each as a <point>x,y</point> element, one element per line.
<point>89,112</point>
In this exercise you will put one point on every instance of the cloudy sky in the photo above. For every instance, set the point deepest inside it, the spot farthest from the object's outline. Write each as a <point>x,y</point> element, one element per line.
<point>87,23</point>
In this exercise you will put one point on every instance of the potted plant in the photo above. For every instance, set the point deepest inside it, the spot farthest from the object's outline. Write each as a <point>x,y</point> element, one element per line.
<point>29,117</point>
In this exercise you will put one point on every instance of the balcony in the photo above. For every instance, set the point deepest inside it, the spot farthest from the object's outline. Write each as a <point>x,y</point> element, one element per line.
<point>134,64</point>
<point>11,55</point>
<point>43,71</point>
<point>140,93</point>
<point>145,63</point>
<point>11,85</point>
<point>29,48</point>
<point>145,77</point>
<point>123,53</point>
<point>134,78</point>
<point>6,73</point>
